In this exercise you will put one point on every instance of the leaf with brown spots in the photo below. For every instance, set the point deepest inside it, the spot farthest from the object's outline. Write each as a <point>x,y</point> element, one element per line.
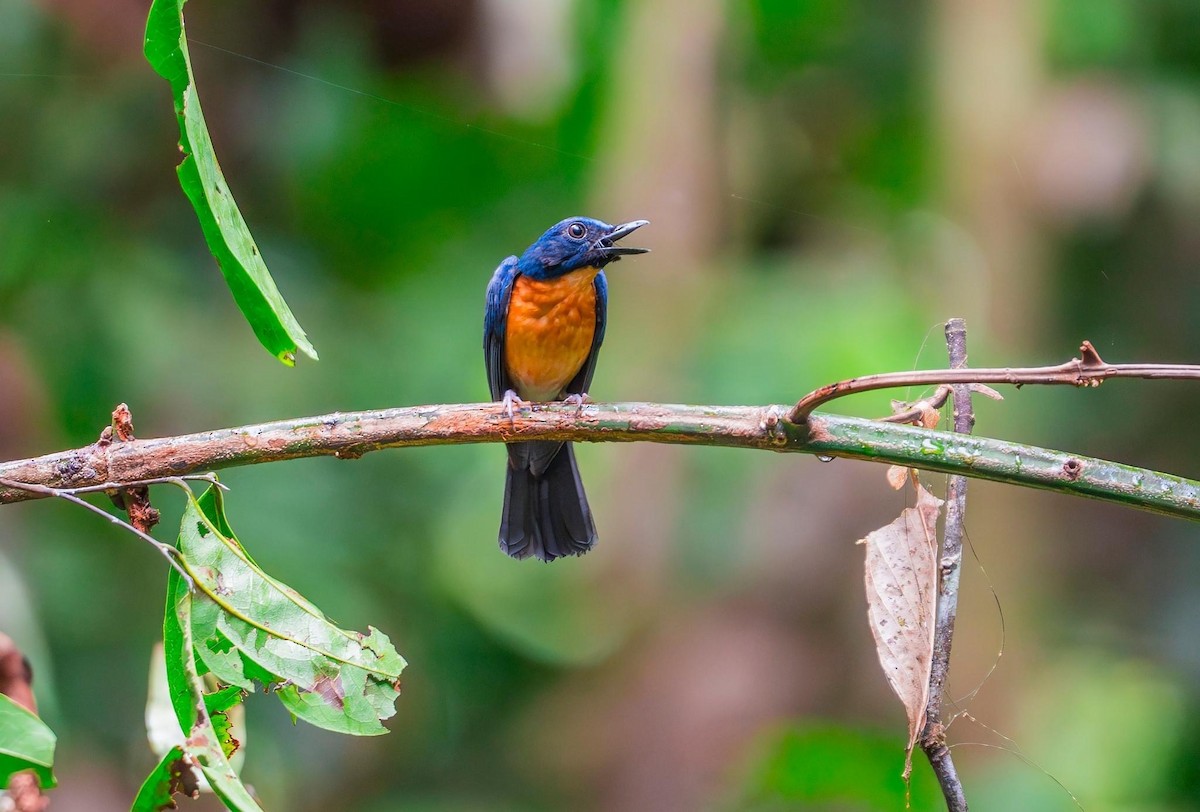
<point>202,749</point>
<point>901,582</point>
<point>249,626</point>
<point>172,775</point>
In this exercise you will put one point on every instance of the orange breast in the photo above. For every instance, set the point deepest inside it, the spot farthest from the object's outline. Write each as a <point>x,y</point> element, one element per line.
<point>549,332</point>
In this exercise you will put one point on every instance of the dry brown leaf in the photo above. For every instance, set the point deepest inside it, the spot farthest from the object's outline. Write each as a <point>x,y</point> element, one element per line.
<point>901,581</point>
<point>897,476</point>
<point>929,415</point>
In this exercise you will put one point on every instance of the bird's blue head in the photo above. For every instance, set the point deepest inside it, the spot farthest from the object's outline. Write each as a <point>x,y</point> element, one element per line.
<point>574,243</point>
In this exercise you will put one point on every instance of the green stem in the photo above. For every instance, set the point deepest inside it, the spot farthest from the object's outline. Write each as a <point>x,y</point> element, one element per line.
<point>1002,461</point>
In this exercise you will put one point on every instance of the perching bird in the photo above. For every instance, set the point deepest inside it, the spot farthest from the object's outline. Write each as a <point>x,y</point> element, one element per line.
<point>542,331</point>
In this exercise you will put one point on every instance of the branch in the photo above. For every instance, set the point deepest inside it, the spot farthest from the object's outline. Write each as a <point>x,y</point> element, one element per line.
<point>350,435</point>
<point>1086,370</point>
<point>933,737</point>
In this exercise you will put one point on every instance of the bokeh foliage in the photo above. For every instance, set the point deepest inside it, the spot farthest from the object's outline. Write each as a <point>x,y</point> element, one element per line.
<point>385,179</point>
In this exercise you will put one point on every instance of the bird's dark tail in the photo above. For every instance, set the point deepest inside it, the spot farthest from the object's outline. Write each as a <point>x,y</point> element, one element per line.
<point>546,513</point>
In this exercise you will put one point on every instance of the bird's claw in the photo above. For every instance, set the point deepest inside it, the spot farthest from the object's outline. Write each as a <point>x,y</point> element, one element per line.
<point>510,400</point>
<point>577,399</point>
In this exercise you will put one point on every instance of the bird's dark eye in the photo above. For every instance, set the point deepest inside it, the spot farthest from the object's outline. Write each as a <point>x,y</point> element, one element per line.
<point>576,231</point>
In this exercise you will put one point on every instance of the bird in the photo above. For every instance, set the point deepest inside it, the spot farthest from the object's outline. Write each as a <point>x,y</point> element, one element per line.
<point>543,325</point>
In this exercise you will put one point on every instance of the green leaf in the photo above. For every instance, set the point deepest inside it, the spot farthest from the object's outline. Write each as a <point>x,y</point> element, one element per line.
<point>25,744</point>
<point>172,775</point>
<point>248,627</point>
<point>203,747</point>
<point>224,699</point>
<point>179,666</point>
<point>200,176</point>
<point>223,727</point>
<point>818,765</point>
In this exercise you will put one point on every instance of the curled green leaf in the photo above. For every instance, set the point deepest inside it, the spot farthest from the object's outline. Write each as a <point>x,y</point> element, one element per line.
<point>200,175</point>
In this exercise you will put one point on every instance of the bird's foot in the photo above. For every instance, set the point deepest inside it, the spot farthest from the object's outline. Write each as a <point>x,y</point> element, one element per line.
<point>577,399</point>
<point>510,400</point>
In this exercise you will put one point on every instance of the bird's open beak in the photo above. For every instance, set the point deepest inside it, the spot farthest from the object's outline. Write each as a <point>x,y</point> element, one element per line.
<point>608,246</point>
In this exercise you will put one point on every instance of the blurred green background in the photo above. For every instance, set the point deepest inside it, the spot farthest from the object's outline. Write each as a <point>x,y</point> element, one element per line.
<point>828,181</point>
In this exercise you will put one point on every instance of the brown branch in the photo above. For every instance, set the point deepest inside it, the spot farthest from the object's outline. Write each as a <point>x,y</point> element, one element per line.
<point>352,434</point>
<point>16,682</point>
<point>933,737</point>
<point>1087,370</point>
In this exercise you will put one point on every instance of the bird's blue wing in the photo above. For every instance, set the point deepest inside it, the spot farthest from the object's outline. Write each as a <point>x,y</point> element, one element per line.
<point>494,315</point>
<point>581,382</point>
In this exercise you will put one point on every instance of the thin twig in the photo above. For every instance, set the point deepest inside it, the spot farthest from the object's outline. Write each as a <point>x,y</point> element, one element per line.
<point>350,435</point>
<point>169,552</point>
<point>105,487</point>
<point>933,737</point>
<point>1087,370</point>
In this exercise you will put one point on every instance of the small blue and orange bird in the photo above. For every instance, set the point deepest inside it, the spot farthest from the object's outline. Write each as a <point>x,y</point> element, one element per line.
<point>542,331</point>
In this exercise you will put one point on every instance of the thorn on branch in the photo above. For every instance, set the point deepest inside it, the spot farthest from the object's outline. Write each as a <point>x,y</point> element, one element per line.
<point>1089,357</point>
<point>1093,370</point>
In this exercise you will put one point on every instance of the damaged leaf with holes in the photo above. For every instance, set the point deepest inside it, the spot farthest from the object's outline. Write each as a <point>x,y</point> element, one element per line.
<point>200,175</point>
<point>173,775</point>
<point>250,628</point>
<point>202,761</point>
<point>169,713</point>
